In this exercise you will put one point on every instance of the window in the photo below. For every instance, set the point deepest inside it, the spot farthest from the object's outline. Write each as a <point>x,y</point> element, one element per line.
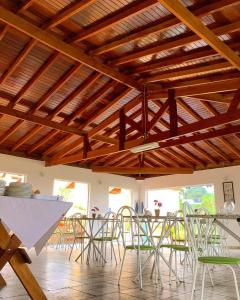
<point>119,197</point>
<point>71,191</point>
<point>11,177</point>
<point>173,198</point>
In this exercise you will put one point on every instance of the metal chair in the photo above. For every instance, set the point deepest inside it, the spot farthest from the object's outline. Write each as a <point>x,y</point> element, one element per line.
<point>200,232</point>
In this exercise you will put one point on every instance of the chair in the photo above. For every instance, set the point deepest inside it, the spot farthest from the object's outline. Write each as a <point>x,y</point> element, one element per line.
<point>200,232</point>
<point>78,233</point>
<point>177,245</point>
<point>109,233</point>
<point>132,238</point>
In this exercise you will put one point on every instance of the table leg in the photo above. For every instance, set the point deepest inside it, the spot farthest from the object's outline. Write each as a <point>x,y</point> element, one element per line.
<point>26,277</point>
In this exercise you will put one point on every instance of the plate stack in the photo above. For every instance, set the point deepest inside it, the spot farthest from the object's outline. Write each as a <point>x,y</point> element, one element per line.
<point>19,189</point>
<point>2,187</point>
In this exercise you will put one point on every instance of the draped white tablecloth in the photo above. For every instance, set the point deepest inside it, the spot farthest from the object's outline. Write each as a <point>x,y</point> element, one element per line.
<point>32,220</point>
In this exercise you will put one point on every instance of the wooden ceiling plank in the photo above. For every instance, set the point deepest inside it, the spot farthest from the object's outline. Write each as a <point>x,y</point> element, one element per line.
<point>56,87</point>
<point>40,72</point>
<point>156,160</point>
<point>179,157</point>
<point>24,6</point>
<point>42,141</point>
<point>190,155</point>
<point>92,101</point>
<point>10,131</point>
<point>68,12</point>
<point>173,44</point>
<point>26,137</point>
<point>75,93</point>
<point>43,99</point>
<point>118,16</point>
<point>229,146</point>
<point>161,26</point>
<point>204,153</point>
<point>195,24</point>
<point>57,44</point>
<point>162,157</point>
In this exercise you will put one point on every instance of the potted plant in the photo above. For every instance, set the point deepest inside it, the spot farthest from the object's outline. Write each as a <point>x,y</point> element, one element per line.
<point>158,204</point>
<point>94,211</point>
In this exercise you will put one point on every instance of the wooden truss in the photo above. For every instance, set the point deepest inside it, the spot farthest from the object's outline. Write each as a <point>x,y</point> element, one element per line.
<point>138,101</point>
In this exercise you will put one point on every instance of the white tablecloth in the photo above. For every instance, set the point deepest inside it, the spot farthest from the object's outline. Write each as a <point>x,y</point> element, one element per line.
<point>32,220</point>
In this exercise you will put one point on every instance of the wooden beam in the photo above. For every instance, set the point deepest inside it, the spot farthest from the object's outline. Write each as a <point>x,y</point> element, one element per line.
<point>183,130</point>
<point>129,170</point>
<point>57,44</point>
<point>122,129</point>
<point>118,16</point>
<point>199,89</point>
<point>40,121</point>
<point>194,23</point>
<point>158,115</point>
<point>173,43</point>
<point>75,93</point>
<point>197,70</point>
<point>161,25</point>
<point>97,129</point>
<point>134,124</point>
<point>235,102</point>
<point>173,115</point>
<point>93,100</point>
<point>68,12</point>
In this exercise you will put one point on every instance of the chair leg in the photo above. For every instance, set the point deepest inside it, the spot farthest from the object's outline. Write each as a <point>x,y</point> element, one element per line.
<point>114,254</point>
<point>124,253</point>
<point>72,248</point>
<point>203,281</point>
<point>194,280</point>
<point>170,269</point>
<point>140,269</point>
<point>235,281</point>
<point>119,252</point>
<point>210,275</point>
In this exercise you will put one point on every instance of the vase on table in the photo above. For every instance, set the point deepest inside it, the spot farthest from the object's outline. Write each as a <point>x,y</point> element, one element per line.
<point>157,212</point>
<point>94,215</point>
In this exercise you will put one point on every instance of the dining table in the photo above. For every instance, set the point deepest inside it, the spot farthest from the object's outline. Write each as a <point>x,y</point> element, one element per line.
<point>26,222</point>
<point>92,228</point>
<point>220,220</point>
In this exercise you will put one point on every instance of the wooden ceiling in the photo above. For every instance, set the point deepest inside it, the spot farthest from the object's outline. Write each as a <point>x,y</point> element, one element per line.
<point>84,81</point>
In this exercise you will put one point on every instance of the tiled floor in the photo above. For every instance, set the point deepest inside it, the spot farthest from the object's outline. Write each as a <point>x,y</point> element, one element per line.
<point>61,279</point>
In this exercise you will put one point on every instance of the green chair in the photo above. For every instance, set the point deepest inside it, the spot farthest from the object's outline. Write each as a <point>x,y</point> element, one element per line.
<point>133,239</point>
<point>199,233</point>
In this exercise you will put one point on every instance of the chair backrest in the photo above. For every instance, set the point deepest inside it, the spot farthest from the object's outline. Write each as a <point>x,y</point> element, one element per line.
<point>201,231</point>
<point>129,225</point>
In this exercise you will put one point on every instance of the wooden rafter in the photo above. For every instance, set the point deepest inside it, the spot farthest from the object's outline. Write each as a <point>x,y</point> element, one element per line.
<point>182,13</point>
<point>57,44</point>
<point>173,44</point>
<point>162,25</point>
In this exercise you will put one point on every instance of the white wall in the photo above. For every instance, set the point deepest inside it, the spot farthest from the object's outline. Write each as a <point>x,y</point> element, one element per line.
<point>42,178</point>
<point>214,176</point>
